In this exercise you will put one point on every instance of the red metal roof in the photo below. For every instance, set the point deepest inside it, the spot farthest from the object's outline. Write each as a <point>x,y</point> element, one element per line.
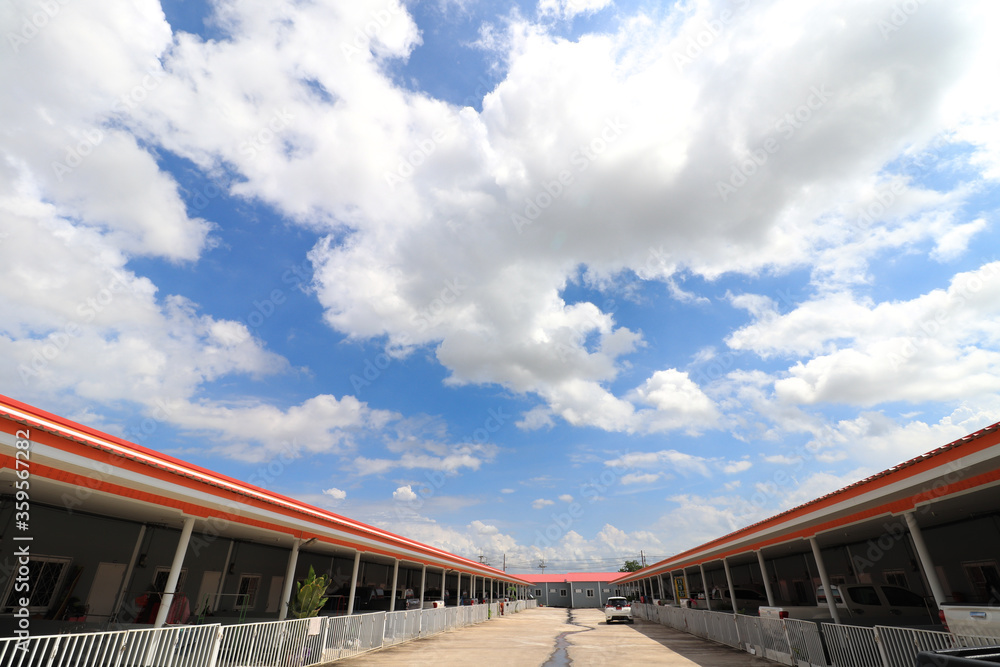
<point>899,471</point>
<point>192,475</point>
<point>570,577</point>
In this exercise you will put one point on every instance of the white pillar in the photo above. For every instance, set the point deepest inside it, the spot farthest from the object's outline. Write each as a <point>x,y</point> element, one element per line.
<point>444,578</point>
<point>423,585</point>
<point>354,583</point>
<point>175,573</point>
<point>767,579</point>
<point>673,588</point>
<point>704,585</point>
<point>729,582</point>
<point>925,559</point>
<point>286,588</point>
<point>831,599</point>
<point>687,584</point>
<point>458,593</point>
<point>128,575</point>
<point>395,580</point>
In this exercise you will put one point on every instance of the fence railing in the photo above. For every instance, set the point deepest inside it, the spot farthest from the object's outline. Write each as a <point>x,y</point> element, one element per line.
<point>295,643</point>
<point>801,643</point>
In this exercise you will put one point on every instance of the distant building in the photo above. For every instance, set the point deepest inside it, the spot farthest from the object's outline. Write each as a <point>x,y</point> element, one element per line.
<point>575,590</point>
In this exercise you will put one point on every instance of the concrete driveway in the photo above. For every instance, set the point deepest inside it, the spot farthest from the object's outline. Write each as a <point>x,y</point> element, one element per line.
<point>553,637</point>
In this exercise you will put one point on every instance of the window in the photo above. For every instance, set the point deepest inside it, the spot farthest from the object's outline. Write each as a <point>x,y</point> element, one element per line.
<point>160,576</point>
<point>562,592</point>
<point>607,590</point>
<point>985,580</point>
<point>895,578</point>
<point>864,595</point>
<point>249,585</point>
<point>900,597</point>
<point>590,592</point>
<point>552,590</point>
<point>538,592</point>
<point>579,590</point>
<point>45,576</point>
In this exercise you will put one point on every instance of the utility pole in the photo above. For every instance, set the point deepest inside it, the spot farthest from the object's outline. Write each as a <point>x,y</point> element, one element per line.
<point>642,557</point>
<point>505,562</point>
<point>542,565</point>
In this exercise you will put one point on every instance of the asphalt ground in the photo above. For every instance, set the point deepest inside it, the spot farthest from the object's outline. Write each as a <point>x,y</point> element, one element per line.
<point>554,637</point>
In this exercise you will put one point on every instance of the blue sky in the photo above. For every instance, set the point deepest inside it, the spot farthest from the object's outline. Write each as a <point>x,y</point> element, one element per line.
<point>559,281</point>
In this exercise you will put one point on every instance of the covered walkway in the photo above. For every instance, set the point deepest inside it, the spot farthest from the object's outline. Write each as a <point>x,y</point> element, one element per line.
<point>554,637</point>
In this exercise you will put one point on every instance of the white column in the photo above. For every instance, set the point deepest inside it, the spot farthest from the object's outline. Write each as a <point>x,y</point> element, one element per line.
<point>831,599</point>
<point>354,583</point>
<point>925,559</point>
<point>423,585</point>
<point>704,585</point>
<point>286,588</point>
<point>395,580</point>
<point>444,577</point>
<point>175,573</point>
<point>673,588</point>
<point>458,593</point>
<point>767,579</point>
<point>128,574</point>
<point>216,603</point>
<point>729,582</point>
<point>687,584</point>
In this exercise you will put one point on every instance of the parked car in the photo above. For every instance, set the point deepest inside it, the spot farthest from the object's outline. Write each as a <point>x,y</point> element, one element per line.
<point>618,609</point>
<point>747,601</point>
<point>866,604</point>
<point>971,620</point>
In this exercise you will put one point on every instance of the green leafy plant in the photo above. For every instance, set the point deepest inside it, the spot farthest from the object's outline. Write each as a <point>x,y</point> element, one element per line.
<point>309,595</point>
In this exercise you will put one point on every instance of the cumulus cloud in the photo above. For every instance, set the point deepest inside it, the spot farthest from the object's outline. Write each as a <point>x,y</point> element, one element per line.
<point>639,478</point>
<point>404,494</point>
<point>335,493</point>
<point>541,503</point>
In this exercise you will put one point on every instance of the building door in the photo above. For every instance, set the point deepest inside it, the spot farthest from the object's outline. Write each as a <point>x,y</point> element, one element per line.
<point>206,592</point>
<point>274,595</point>
<point>104,590</point>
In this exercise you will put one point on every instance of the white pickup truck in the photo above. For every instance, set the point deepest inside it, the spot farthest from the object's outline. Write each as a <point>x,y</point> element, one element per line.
<point>971,620</point>
<point>866,604</point>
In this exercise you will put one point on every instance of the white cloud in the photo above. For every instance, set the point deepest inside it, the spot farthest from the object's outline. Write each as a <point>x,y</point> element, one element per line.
<point>335,493</point>
<point>733,467</point>
<point>541,503</point>
<point>668,459</point>
<point>404,494</point>
<point>781,459</point>
<point>567,9</point>
<point>505,491</point>
<point>452,460</point>
<point>639,478</point>
<point>492,303</point>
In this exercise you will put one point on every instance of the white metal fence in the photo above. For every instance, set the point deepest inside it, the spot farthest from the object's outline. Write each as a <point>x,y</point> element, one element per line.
<point>801,643</point>
<point>294,643</point>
